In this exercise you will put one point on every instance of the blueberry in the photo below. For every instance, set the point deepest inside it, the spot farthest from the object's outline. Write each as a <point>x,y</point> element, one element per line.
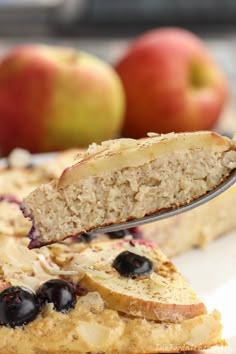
<point>18,306</point>
<point>122,234</point>
<point>86,237</point>
<point>59,292</point>
<point>132,265</point>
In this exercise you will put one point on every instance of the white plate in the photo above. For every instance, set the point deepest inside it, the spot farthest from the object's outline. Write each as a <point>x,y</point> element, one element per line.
<point>212,273</point>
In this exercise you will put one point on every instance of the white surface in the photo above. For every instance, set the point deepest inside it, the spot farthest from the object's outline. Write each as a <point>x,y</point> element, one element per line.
<point>212,274</point>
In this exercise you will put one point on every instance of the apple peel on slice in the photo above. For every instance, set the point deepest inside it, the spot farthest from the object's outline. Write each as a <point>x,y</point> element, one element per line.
<point>126,153</point>
<point>126,179</point>
<point>163,295</point>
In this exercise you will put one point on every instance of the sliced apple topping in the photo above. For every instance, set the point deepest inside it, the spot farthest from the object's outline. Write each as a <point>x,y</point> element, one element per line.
<point>161,294</point>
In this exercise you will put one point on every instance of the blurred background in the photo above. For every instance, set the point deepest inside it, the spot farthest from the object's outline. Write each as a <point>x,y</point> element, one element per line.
<point>103,27</point>
<point>106,27</point>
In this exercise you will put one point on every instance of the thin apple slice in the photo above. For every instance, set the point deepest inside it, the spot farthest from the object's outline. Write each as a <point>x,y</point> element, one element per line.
<point>123,153</point>
<point>124,179</point>
<point>161,295</point>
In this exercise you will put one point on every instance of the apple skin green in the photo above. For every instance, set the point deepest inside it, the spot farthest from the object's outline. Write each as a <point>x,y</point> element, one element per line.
<point>53,98</point>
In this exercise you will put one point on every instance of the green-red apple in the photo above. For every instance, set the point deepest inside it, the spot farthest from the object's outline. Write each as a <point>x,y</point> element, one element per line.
<point>172,84</point>
<point>53,98</point>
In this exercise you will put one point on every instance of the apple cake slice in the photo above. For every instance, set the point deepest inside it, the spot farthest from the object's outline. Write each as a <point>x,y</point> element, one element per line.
<point>126,179</point>
<point>120,296</point>
<point>174,235</point>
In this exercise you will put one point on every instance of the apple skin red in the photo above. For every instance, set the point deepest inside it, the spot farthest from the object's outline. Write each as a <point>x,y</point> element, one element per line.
<point>171,84</point>
<point>20,102</point>
<point>53,98</point>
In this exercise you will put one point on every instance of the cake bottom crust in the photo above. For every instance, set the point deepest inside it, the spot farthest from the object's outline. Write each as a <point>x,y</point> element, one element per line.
<point>90,329</point>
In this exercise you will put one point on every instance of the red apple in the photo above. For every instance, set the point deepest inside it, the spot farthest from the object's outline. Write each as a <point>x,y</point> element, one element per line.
<point>172,84</point>
<point>53,98</point>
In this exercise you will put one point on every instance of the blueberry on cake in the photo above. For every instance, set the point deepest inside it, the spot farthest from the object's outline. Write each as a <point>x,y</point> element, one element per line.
<point>120,296</point>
